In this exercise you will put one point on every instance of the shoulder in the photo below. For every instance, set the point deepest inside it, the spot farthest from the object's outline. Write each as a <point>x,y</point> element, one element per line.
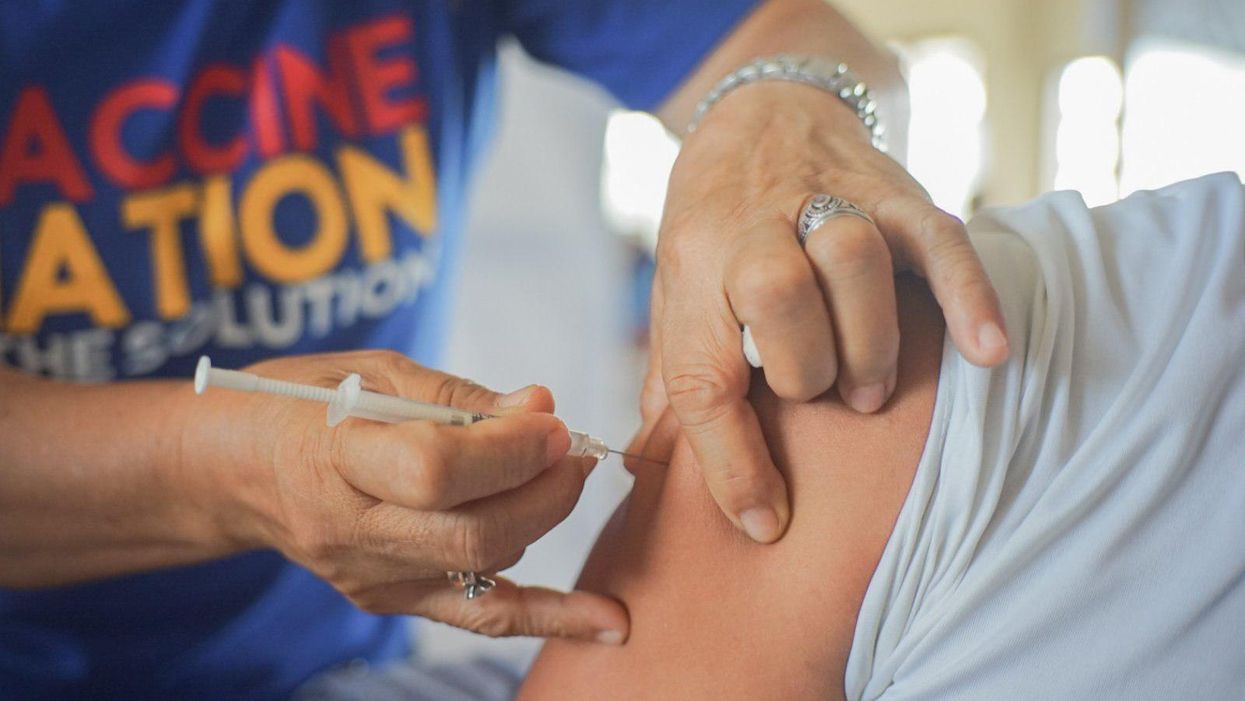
<point>716,616</point>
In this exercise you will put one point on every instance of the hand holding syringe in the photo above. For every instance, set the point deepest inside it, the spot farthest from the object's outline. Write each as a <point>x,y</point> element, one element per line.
<point>350,399</point>
<point>416,517</point>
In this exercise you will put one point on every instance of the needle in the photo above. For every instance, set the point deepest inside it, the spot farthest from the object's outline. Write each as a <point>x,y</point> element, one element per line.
<point>633,456</point>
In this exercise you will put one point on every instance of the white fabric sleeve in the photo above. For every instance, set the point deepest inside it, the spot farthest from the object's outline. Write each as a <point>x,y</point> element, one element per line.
<point>1073,528</point>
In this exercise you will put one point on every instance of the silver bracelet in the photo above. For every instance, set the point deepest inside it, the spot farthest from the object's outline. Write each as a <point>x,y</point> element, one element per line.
<point>832,77</point>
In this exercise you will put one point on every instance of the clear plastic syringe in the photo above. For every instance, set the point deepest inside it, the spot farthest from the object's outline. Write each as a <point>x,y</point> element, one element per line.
<point>350,399</point>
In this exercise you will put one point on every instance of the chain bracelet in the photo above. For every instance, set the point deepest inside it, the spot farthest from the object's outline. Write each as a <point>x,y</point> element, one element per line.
<point>834,78</point>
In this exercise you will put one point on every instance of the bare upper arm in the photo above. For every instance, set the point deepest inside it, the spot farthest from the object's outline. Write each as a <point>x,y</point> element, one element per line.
<point>714,615</point>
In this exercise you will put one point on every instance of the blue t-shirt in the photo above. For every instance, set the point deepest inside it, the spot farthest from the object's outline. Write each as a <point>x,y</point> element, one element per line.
<point>246,179</point>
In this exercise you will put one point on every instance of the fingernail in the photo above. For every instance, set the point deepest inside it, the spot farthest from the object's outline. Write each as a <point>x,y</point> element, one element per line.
<point>761,524</point>
<point>557,443</point>
<point>515,398</point>
<point>990,337</point>
<point>868,399</point>
<point>610,637</point>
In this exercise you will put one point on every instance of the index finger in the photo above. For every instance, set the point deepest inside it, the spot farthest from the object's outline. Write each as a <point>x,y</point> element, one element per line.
<point>509,609</point>
<point>707,384</point>
<point>937,246</point>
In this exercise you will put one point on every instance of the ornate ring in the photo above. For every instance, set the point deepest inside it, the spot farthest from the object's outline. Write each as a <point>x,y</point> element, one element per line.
<point>473,584</point>
<point>821,209</point>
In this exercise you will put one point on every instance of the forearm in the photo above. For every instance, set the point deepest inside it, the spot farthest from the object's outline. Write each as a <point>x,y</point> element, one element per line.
<point>93,484</point>
<point>809,27</point>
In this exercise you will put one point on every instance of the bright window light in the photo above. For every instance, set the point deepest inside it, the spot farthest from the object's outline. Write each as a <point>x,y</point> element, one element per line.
<point>639,154</point>
<point>1184,115</point>
<point>945,144</point>
<point>1087,143</point>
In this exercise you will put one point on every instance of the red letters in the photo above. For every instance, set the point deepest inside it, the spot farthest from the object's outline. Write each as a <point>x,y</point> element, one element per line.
<point>201,155</point>
<point>304,83</point>
<point>368,85</point>
<point>265,112</point>
<point>375,77</point>
<point>36,150</point>
<point>105,135</point>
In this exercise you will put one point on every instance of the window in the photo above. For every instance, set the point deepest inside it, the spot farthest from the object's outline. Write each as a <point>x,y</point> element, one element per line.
<point>945,142</point>
<point>1183,114</point>
<point>639,154</point>
<point>1087,142</point>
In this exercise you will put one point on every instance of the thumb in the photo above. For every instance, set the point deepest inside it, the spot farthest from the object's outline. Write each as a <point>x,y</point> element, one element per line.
<point>707,382</point>
<point>508,609</point>
<point>653,402</point>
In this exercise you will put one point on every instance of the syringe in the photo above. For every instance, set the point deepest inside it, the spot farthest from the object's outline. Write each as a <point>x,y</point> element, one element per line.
<point>350,399</point>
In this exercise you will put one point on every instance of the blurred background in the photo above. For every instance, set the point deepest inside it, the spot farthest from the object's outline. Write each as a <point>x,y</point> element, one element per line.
<point>1010,98</point>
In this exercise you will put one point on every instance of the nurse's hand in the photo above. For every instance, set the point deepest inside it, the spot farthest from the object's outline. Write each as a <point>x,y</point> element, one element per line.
<point>823,315</point>
<point>382,511</point>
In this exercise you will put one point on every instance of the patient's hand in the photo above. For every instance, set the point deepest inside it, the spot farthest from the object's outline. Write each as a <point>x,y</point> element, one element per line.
<point>716,616</point>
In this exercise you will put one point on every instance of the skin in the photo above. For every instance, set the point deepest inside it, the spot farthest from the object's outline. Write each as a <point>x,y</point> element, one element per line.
<point>715,616</point>
<point>129,477</point>
<point>727,255</point>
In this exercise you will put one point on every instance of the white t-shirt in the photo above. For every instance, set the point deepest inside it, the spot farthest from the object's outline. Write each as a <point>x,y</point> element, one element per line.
<point>1076,526</point>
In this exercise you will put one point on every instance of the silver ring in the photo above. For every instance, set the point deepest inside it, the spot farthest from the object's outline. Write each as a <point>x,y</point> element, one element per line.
<point>821,209</point>
<point>473,584</point>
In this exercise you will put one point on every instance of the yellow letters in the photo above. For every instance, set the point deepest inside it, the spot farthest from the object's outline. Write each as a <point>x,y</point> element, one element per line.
<point>375,190</point>
<point>264,249</point>
<point>161,211</point>
<point>63,274</point>
<point>217,235</point>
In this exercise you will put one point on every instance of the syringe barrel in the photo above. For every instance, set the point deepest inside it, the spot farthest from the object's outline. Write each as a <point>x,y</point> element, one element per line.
<point>381,407</point>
